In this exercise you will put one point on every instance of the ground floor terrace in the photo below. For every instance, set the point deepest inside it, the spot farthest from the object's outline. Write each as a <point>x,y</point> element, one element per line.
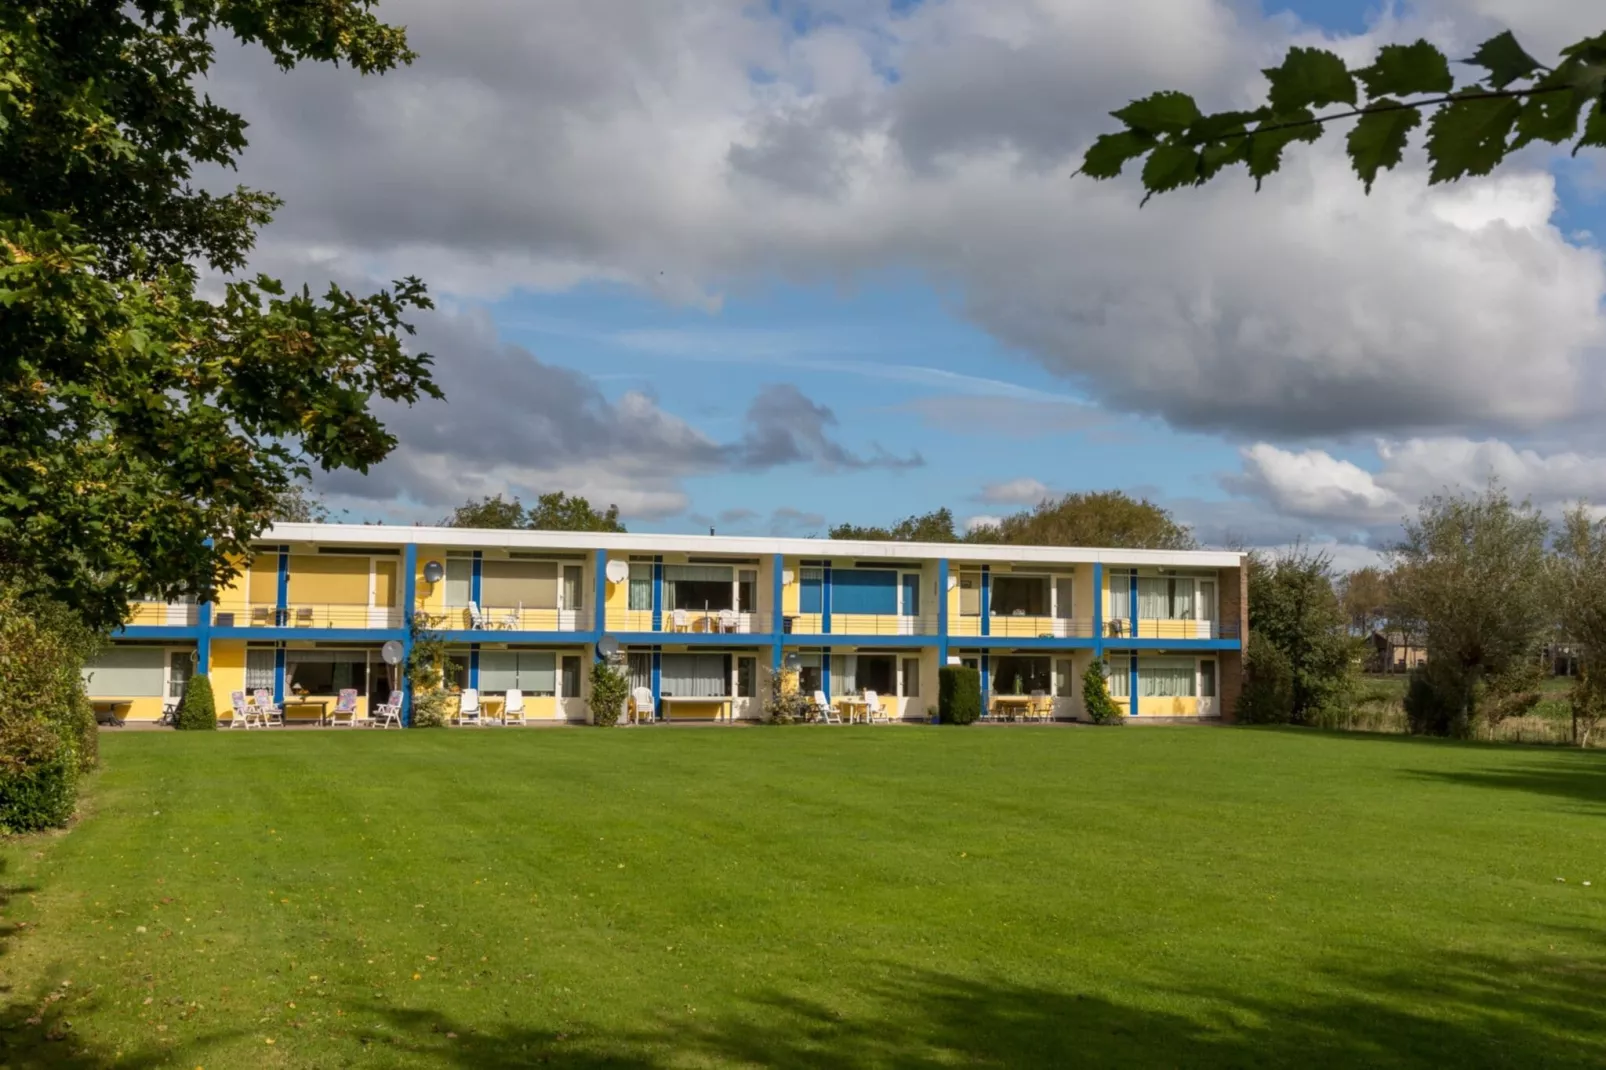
<point>716,678</point>
<point>1180,896</point>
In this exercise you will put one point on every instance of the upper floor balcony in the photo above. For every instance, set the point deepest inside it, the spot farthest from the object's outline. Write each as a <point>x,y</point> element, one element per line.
<point>152,614</point>
<point>235,613</point>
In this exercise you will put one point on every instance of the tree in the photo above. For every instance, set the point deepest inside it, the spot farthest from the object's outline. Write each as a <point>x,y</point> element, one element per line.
<point>551,512</point>
<point>1518,102</point>
<point>1578,593</point>
<point>299,504</point>
<point>935,526</point>
<point>196,710</point>
<point>1094,518</point>
<point>1096,700</point>
<point>1294,608</point>
<point>1365,594</point>
<point>149,432</point>
<point>1471,577</point>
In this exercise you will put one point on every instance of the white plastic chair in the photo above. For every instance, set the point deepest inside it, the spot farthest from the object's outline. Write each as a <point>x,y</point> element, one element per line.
<point>468,707</point>
<point>269,714</point>
<point>727,620</point>
<point>244,715</point>
<point>345,707</point>
<point>389,712</point>
<point>476,619</point>
<point>873,709</point>
<point>511,620</point>
<point>513,708</point>
<point>827,712</point>
<point>679,621</point>
<point>641,699</point>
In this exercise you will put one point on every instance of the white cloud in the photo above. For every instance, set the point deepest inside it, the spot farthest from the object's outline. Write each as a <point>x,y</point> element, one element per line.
<point>982,520</point>
<point>547,145</point>
<point>1022,491</point>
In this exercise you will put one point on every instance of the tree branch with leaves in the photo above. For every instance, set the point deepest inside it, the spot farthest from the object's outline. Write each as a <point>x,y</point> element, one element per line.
<point>1471,128</point>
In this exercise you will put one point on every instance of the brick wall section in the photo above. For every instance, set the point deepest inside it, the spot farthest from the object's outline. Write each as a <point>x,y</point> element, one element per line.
<point>1234,586</point>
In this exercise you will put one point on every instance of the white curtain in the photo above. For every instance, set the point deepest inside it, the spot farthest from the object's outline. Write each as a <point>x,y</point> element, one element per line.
<point>1165,679</point>
<point>641,587</point>
<point>1120,595</point>
<point>1117,674</point>
<point>694,676</point>
<point>1152,598</point>
<point>844,674</point>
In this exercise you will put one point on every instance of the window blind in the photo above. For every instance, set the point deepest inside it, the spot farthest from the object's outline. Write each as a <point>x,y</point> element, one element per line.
<point>532,584</point>
<point>127,672</point>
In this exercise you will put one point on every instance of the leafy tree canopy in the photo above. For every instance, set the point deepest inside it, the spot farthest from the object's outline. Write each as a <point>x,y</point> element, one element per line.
<point>1093,518</point>
<point>1293,606</point>
<point>1471,128</point>
<point>551,512</point>
<point>935,526</point>
<point>149,434</point>
<point>1366,595</point>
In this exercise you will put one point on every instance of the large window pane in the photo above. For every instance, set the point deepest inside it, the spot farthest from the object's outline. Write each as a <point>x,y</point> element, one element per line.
<point>698,587</point>
<point>179,664</point>
<point>1165,678</point>
<point>1019,596</point>
<point>640,668</point>
<point>260,665</point>
<point>844,674</point>
<point>1064,598</point>
<point>695,675</point>
<point>1014,674</point>
<point>326,672</point>
<point>1207,679</point>
<point>747,591</point>
<point>127,672</point>
<point>1119,678</point>
<point>810,676</point>
<point>459,582</point>
<point>531,584</point>
<point>641,587</point>
<point>1064,678</point>
<point>878,673</point>
<point>573,587</point>
<point>970,594</point>
<point>1120,595</point>
<point>746,677</point>
<point>911,677</point>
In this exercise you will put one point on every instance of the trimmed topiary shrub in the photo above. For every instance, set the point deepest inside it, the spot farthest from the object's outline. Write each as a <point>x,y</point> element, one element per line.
<point>610,689</point>
<point>196,710</point>
<point>958,694</point>
<point>1096,700</point>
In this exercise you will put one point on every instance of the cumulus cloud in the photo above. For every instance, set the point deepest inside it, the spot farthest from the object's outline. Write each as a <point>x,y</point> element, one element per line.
<point>687,146</point>
<point>514,424</point>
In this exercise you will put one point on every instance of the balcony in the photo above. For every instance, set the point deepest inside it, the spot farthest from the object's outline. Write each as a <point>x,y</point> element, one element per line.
<point>889,624</point>
<point>1023,627</point>
<point>311,616</point>
<point>507,619</point>
<point>690,622</point>
<point>161,615</point>
<point>1149,628</point>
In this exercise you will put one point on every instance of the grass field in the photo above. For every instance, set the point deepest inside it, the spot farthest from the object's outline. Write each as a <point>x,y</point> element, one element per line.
<point>814,898</point>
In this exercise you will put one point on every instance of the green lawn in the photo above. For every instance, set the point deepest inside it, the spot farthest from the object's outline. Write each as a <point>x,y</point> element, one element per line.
<point>814,898</point>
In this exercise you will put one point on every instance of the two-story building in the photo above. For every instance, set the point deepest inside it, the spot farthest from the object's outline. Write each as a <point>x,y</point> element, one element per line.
<point>703,622</point>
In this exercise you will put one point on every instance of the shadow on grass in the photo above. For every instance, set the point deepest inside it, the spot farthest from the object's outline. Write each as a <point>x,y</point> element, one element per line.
<point>1575,776</point>
<point>1459,1009</point>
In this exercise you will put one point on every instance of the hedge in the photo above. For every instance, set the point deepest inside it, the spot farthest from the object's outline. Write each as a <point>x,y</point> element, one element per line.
<point>958,694</point>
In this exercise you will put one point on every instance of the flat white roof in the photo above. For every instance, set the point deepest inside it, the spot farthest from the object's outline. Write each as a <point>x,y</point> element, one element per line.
<point>748,546</point>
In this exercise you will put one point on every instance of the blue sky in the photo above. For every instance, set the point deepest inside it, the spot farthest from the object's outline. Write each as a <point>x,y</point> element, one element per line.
<point>770,267</point>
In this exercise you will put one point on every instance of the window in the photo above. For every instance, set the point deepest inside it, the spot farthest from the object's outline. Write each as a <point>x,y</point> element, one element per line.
<point>326,672</point>
<point>970,594</point>
<point>640,671</point>
<point>911,677</point>
<point>127,672</point>
<point>746,677</point>
<point>455,673</point>
<point>809,676</point>
<point>571,676</point>
<point>1207,599</point>
<point>871,592</point>
<point>1064,678</point>
<point>1166,678</point>
<point>1207,679</point>
<point>1120,594</point>
<point>530,584</point>
<point>641,588</point>
<point>260,669</point>
<point>911,594</point>
<point>695,675</point>
<point>1165,598</point>
<point>811,599</point>
<point>574,587</point>
<point>878,673</point>
<point>533,672</point>
<point>459,582</point>
<point>844,674</point>
<point>1014,674</point>
<point>179,664</point>
<point>1019,596</point>
<point>699,587</point>
<point>1119,678</point>
<point>1064,597</point>
<point>747,591</point>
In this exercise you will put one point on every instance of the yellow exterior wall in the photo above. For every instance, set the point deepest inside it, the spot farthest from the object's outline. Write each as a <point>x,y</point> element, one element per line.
<point>262,584</point>
<point>228,674</point>
<point>430,597</point>
<point>327,580</point>
<point>1168,707</point>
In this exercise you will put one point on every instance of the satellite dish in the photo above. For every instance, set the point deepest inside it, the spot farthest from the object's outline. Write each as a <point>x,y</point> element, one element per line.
<point>607,647</point>
<point>433,571</point>
<point>391,652</point>
<point>618,571</point>
<point>793,661</point>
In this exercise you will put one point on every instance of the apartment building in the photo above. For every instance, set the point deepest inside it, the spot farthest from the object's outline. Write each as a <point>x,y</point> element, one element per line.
<point>703,622</point>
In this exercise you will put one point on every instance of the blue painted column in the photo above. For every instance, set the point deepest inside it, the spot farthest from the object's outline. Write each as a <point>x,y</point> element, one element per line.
<point>1133,606</point>
<point>475,580</point>
<point>825,672</point>
<point>1132,687</point>
<point>986,600</point>
<point>203,638</point>
<point>825,602</point>
<point>1098,609</point>
<point>474,666</point>
<point>986,679</point>
<point>599,607</point>
<point>657,615</point>
<point>657,683</point>
<point>281,610</point>
<point>777,617</point>
<point>409,609</point>
<point>942,612</point>
<point>279,681</point>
